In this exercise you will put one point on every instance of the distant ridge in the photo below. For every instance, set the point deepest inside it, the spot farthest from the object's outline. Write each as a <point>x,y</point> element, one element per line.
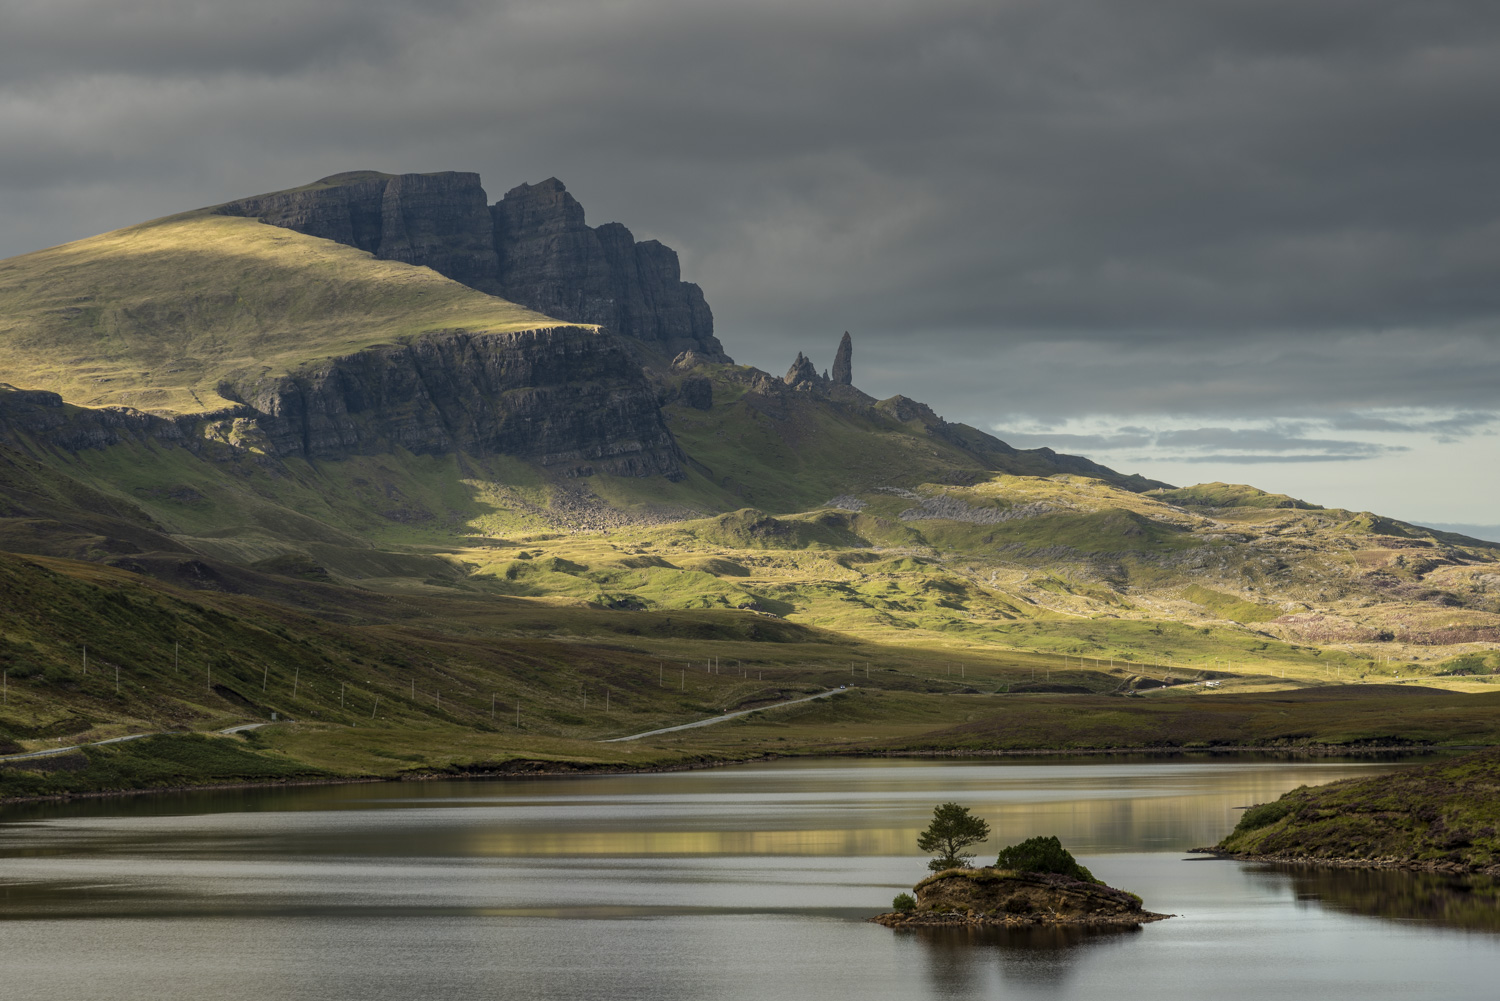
<point>1485,533</point>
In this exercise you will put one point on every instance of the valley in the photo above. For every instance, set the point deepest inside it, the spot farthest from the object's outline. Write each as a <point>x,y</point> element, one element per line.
<point>298,455</point>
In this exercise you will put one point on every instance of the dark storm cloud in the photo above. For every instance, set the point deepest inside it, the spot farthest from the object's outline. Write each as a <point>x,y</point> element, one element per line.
<point>45,43</point>
<point>1050,206</point>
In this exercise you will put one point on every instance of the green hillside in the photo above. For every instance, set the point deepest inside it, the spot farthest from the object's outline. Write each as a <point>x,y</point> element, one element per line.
<point>397,605</point>
<point>157,315</point>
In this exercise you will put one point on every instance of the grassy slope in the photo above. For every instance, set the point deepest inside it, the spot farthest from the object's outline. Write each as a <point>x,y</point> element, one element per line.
<point>962,576</point>
<point>436,663</point>
<point>154,316</point>
<point>1231,495</point>
<point>1444,812</point>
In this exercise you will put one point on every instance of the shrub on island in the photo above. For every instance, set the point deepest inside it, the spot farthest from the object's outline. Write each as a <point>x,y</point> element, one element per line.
<point>1043,854</point>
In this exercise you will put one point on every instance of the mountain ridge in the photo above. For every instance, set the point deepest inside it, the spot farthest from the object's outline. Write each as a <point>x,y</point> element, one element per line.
<point>275,452</point>
<point>531,247</point>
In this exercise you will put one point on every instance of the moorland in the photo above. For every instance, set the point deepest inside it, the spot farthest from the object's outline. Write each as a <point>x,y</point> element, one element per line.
<point>456,488</point>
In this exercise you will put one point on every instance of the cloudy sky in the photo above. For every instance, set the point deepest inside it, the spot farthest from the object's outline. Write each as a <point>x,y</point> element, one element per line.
<point>1245,240</point>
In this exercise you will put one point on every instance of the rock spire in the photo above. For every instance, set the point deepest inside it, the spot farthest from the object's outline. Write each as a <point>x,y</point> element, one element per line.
<point>843,363</point>
<point>802,372</point>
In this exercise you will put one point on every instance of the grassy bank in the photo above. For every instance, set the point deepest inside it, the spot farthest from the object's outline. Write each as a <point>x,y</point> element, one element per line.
<point>1442,814</point>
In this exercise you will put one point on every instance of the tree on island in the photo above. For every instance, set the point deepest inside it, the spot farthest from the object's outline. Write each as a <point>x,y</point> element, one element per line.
<point>952,830</point>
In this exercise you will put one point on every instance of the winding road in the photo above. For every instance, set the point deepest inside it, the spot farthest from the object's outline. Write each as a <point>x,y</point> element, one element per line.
<point>48,752</point>
<point>719,719</point>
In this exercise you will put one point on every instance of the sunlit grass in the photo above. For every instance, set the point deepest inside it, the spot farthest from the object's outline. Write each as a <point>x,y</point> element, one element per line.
<point>156,316</point>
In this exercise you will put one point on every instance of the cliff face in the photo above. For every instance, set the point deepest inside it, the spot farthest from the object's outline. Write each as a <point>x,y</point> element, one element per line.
<point>553,262</point>
<point>532,247</point>
<point>568,398</point>
<point>438,221</point>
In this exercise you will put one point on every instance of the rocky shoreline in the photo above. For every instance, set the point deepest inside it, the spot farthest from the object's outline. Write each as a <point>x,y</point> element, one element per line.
<point>896,919</point>
<point>1342,862</point>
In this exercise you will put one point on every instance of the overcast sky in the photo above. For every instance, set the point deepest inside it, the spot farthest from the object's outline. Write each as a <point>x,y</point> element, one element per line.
<point>1248,240</point>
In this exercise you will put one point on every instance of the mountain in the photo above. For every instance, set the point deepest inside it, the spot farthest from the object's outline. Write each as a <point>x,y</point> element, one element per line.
<point>532,247</point>
<point>381,412</point>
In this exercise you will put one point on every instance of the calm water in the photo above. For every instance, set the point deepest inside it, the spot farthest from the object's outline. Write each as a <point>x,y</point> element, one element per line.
<point>749,882</point>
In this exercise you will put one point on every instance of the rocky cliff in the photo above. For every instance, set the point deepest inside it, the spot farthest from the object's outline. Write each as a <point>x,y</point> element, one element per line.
<point>532,248</point>
<point>42,416</point>
<point>438,220</point>
<point>551,261</point>
<point>568,398</point>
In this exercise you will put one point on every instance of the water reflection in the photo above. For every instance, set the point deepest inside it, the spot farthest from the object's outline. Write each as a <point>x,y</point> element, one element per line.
<point>1454,901</point>
<point>963,961</point>
<point>858,808</point>
<point>736,884</point>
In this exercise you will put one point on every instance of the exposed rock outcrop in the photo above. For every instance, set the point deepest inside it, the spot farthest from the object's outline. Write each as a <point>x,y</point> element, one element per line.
<point>532,248</point>
<point>553,262</point>
<point>803,374</point>
<point>990,896</point>
<point>41,415</point>
<point>440,221</point>
<point>843,362</point>
<point>567,398</point>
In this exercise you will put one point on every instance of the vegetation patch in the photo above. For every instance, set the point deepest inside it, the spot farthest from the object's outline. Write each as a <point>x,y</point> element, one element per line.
<point>1446,813</point>
<point>164,760</point>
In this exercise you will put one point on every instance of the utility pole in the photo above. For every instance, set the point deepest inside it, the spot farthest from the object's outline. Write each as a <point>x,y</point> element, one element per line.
<point>374,707</point>
<point>682,687</point>
<point>296,680</point>
<point>264,674</point>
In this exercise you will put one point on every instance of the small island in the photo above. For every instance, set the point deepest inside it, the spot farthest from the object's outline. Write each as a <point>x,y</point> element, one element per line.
<point>1035,882</point>
<point>1440,817</point>
<point>993,896</point>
